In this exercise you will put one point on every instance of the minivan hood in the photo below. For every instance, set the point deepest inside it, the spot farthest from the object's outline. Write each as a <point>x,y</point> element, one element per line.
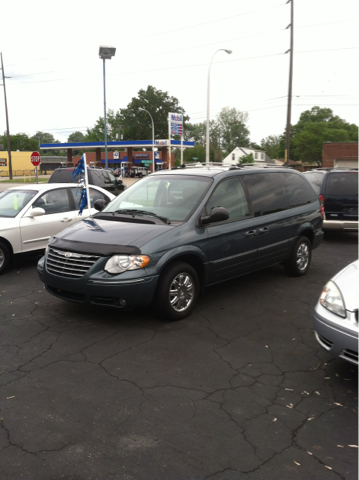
<point>347,280</point>
<point>104,237</point>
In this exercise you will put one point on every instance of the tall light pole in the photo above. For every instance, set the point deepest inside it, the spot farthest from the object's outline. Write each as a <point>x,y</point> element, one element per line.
<point>289,106</point>
<point>209,71</point>
<point>106,53</point>
<point>7,121</point>
<point>153,138</point>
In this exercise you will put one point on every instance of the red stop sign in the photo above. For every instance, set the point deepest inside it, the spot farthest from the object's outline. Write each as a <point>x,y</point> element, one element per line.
<point>35,158</point>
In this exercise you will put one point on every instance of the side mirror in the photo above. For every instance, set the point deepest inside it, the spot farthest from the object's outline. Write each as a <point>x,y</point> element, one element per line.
<point>100,204</point>
<point>218,214</point>
<point>36,212</point>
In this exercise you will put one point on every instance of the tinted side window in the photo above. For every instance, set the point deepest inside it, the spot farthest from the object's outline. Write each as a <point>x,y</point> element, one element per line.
<point>54,201</point>
<point>96,178</point>
<point>230,195</point>
<point>299,190</point>
<point>94,195</point>
<point>267,192</point>
<point>62,175</point>
<point>111,177</point>
<point>316,180</point>
<point>342,183</point>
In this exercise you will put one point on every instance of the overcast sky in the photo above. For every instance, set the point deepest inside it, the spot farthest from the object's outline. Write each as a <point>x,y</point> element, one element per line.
<point>50,49</point>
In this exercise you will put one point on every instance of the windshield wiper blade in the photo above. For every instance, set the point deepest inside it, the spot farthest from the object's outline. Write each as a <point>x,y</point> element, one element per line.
<point>143,212</point>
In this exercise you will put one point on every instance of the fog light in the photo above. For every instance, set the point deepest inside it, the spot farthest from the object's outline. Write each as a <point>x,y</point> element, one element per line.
<point>122,302</point>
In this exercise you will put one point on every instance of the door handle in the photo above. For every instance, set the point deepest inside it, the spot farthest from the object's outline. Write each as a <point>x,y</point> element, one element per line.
<point>263,230</point>
<point>251,233</point>
<point>66,219</point>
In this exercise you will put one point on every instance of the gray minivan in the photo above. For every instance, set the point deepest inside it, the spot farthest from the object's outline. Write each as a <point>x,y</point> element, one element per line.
<point>167,237</point>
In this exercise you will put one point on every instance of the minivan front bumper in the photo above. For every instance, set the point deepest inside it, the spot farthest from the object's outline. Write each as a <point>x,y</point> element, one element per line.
<point>112,292</point>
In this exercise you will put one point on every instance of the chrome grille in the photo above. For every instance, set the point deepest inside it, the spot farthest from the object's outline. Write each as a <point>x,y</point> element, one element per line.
<point>69,264</point>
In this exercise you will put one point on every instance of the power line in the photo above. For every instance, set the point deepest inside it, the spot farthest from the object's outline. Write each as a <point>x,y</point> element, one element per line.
<point>186,66</point>
<point>212,21</point>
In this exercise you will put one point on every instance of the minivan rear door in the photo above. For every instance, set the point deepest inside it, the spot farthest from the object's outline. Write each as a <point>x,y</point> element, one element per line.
<point>341,196</point>
<point>270,209</point>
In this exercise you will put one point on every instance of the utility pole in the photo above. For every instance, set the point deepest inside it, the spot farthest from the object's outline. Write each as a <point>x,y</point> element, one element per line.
<point>7,120</point>
<point>289,106</point>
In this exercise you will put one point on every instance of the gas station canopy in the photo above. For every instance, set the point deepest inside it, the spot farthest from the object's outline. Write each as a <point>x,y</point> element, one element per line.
<point>117,144</point>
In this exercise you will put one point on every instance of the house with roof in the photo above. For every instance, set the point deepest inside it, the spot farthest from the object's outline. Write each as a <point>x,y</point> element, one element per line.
<point>235,156</point>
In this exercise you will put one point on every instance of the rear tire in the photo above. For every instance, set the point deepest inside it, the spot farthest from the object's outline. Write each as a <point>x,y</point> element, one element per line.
<point>5,257</point>
<point>177,291</point>
<point>299,261</point>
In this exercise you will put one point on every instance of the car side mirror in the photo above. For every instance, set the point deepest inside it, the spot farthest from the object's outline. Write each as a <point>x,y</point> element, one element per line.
<point>218,214</point>
<point>36,212</point>
<point>100,204</point>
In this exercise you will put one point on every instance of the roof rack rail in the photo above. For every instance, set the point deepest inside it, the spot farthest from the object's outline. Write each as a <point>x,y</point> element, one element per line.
<point>264,165</point>
<point>333,168</point>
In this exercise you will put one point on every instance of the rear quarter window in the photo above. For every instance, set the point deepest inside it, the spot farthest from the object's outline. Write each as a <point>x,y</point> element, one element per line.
<point>62,175</point>
<point>342,184</point>
<point>316,180</point>
<point>299,190</point>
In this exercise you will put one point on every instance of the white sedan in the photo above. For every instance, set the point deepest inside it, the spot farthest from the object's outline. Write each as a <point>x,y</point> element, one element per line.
<point>29,215</point>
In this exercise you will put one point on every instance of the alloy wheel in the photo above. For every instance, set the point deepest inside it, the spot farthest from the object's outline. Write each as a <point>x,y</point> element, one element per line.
<point>302,256</point>
<point>182,292</point>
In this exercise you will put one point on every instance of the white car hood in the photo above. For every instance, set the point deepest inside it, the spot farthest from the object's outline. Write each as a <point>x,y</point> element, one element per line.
<point>348,282</point>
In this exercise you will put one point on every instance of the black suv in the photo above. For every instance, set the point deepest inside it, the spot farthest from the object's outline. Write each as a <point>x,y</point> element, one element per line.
<point>176,231</point>
<point>96,176</point>
<point>338,190</point>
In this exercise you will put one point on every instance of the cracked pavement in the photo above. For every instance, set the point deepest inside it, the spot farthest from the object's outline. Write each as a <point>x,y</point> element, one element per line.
<point>239,390</point>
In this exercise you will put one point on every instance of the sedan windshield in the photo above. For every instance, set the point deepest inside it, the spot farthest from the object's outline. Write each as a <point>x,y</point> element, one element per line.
<point>173,197</point>
<point>12,201</point>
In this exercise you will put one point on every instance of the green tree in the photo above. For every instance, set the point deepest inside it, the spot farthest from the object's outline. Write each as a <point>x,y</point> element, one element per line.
<point>97,133</point>
<point>233,131</point>
<point>137,125</point>
<point>247,158</point>
<point>315,127</point>
<point>76,137</point>
<point>45,137</point>
<point>21,142</point>
<point>270,145</point>
<point>195,154</point>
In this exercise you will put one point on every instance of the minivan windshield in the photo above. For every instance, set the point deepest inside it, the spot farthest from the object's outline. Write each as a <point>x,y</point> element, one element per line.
<point>171,196</point>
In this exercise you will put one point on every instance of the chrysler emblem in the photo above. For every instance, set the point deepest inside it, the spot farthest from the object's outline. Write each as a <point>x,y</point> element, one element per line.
<point>68,254</point>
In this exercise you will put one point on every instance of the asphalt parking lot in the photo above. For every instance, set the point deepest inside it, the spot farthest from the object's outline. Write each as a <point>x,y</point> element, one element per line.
<point>239,390</point>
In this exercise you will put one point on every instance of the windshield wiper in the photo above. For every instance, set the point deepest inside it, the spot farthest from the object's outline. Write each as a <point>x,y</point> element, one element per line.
<point>128,211</point>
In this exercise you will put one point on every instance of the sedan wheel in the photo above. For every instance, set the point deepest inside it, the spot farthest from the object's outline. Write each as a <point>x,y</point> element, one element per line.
<point>4,257</point>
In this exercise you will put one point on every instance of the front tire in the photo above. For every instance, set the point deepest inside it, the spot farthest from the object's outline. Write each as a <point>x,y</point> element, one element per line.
<point>299,261</point>
<point>5,257</point>
<point>177,291</point>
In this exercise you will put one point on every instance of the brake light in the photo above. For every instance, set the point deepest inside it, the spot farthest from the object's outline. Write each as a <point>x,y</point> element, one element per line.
<point>321,198</point>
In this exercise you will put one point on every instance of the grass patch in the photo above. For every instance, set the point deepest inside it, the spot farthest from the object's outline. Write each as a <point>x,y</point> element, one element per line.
<point>27,180</point>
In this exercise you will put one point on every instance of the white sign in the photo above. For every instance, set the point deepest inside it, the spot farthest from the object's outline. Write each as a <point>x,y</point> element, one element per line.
<point>175,123</point>
<point>176,118</point>
<point>161,143</point>
<point>116,155</point>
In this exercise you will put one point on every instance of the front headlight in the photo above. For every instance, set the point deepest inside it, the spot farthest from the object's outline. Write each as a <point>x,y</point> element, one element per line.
<point>122,263</point>
<point>332,299</point>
